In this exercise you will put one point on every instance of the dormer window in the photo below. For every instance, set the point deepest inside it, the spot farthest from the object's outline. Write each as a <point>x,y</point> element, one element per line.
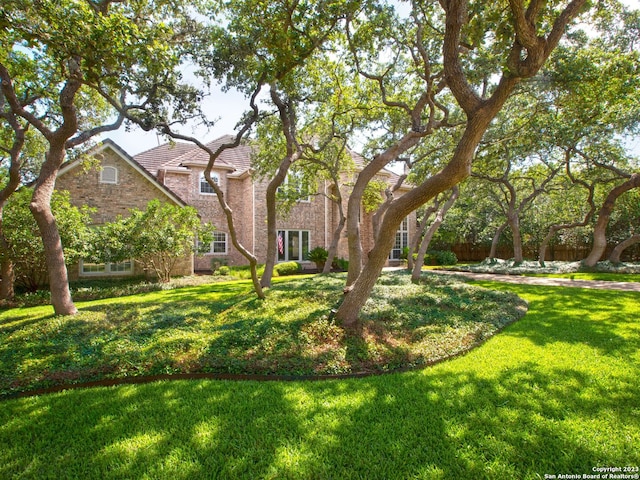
<point>294,187</point>
<point>109,175</point>
<point>205,188</point>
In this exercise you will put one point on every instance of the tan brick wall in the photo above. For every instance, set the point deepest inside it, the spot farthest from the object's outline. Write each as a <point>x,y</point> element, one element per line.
<point>319,216</point>
<point>238,193</point>
<point>132,190</point>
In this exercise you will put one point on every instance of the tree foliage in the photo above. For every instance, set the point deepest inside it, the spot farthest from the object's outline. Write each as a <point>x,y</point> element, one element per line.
<point>156,238</point>
<point>24,244</point>
<point>67,66</point>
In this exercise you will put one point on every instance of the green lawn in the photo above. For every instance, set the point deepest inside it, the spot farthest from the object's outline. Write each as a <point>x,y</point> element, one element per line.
<point>600,276</point>
<point>554,393</point>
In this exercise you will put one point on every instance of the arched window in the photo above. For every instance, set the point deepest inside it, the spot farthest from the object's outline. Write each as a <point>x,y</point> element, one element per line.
<point>205,188</point>
<point>109,175</point>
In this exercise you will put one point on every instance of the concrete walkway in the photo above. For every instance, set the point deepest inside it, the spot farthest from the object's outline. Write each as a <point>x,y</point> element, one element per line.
<point>546,281</point>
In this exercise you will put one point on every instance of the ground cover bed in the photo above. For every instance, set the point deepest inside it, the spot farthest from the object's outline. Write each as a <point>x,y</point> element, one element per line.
<point>607,271</point>
<point>224,328</point>
<point>553,394</point>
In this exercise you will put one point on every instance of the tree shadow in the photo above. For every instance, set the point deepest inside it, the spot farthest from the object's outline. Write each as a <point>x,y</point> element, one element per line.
<point>602,319</point>
<point>520,422</point>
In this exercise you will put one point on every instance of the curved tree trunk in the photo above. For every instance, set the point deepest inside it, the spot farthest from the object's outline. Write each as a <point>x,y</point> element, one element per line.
<point>542,252</point>
<point>458,168</point>
<point>496,239</point>
<point>622,246</point>
<point>335,239</point>
<point>553,229</point>
<point>356,257</point>
<point>415,243</point>
<point>514,224</point>
<point>433,228</point>
<point>7,282</point>
<point>599,231</point>
<point>479,112</point>
<point>272,230</point>
<point>288,121</point>
<point>40,207</point>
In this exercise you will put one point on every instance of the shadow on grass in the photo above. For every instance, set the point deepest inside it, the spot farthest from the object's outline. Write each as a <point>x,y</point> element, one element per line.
<point>602,319</point>
<point>520,422</point>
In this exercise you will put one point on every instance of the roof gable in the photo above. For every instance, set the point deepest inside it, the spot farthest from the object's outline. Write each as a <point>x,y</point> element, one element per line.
<point>124,156</point>
<point>180,154</point>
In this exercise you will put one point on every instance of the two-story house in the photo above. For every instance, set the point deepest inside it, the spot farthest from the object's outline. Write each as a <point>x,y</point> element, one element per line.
<point>116,182</point>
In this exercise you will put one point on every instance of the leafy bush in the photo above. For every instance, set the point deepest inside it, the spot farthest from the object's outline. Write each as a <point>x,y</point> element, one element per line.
<point>223,270</point>
<point>23,244</point>
<point>287,268</point>
<point>319,256</point>
<point>156,237</point>
<point>340,264</point>
<point>243,272</point>
<point>440,257</point>
<point>218,262</point>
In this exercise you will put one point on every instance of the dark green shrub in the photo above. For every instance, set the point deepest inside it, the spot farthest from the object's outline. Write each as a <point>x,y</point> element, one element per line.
<point>218,262</point>
<point>440,257</point>
<point>319,256</point>
<point>340,264</point>
<point>446,257</point>
<point>287,268</point>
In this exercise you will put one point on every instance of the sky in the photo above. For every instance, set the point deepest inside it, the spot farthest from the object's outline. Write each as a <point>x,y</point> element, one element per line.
<point>226,108</point>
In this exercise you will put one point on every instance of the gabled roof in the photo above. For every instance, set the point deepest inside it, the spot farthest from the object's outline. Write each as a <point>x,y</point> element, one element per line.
<point>156,157</point>
<point>180,154</point>
<point>110,144</point>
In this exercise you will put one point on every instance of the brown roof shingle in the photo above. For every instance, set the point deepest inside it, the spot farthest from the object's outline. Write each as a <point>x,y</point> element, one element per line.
<point>179,153</point>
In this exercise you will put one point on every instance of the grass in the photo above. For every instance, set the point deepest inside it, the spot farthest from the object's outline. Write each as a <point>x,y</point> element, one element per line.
<point>599,276</point>
<point>554,393</point>
<point>224,328</point>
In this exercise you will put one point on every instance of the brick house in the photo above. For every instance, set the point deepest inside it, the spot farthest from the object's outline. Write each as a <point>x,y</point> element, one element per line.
<point>173,173</point>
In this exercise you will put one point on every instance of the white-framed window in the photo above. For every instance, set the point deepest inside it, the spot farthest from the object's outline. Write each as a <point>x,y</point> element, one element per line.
<point>402,241</point>
<point>109,175</point>
<point>293,245</point>
<point>295,186</point>
<point>205,188</point>
<point>119,268</point>
<point>218,246</point>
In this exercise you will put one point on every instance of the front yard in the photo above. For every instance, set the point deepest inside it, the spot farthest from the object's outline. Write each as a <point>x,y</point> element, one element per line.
<point>553,393</point>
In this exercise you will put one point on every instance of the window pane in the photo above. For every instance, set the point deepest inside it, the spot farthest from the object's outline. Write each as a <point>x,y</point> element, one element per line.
<point>219,242</point>
<point>93,267</point>
<point>305,245</point>
<point>294,245</point>
<point>109,175</point>
<point>122,267</point>
<point>204,185</point>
